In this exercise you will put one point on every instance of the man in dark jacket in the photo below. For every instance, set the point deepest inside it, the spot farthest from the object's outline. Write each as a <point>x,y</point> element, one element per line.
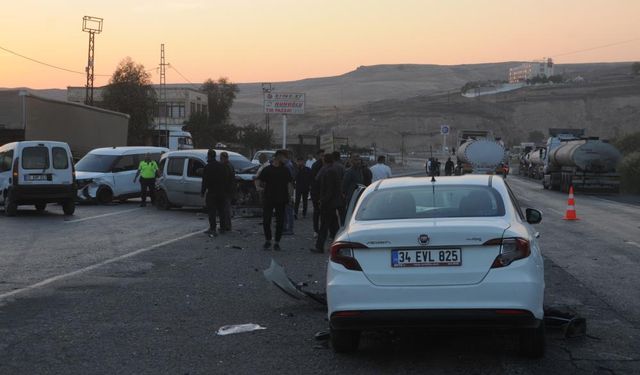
<point>330,199</point>
<point>354,176</point>
<point>303,182</point>
<point>214,182</point>
<point>340,169</point>
<point>230,190</point>
<point>448,167</point>
<point>315,191</point>
<point>276,180</point>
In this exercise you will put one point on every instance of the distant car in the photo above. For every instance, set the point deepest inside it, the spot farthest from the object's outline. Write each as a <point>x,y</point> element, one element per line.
<point>105,174</point>
<point>181,178</point>
<point>37,173</point>
<point>256,156</point>
<point>457,252</point>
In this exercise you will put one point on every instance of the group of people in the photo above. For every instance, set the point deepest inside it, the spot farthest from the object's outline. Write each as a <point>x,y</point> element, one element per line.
<point>433,167</point>
<point>284,189</point>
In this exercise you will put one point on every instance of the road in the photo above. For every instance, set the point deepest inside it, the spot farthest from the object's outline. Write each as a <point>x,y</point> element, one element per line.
<point>124,289</point>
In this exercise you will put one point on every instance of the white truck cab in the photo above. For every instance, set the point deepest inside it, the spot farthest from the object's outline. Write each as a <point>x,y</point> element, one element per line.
<point>36,173</point>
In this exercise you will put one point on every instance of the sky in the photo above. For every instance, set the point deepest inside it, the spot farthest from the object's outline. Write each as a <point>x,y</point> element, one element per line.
<point>282,40</point>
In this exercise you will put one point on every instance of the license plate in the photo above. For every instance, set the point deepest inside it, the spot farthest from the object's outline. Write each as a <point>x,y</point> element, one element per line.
<point>426,258</point>
<point>36,177</point>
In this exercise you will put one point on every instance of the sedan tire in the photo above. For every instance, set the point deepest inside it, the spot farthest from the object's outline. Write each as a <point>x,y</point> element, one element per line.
<point>345,341</point>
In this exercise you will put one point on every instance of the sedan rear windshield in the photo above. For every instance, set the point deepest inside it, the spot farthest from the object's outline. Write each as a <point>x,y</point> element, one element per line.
<point>431,202</point>
<point>96,163</point>
<point>35,157</point>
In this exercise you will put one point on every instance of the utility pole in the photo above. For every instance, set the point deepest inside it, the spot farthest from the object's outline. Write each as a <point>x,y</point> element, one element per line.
<point>266,89</point>
<point>93,26</point>
<point>162,103</point>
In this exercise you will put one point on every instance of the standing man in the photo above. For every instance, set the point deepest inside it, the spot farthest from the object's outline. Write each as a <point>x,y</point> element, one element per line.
<point>330,197</point>
<point>448,167</point>
<point>225,220</point>
<point>310,161</point>
<point>380,171</point>
<point>354,176</point>
<point>264,162</point>
<point>303,183</point>
<point>214,185</point>
<point>315,191</point>
<point>276,181</point>
<point>147,171</point>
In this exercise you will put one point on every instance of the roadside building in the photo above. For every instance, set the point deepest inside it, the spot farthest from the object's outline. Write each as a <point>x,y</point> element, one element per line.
<point>529,70</point>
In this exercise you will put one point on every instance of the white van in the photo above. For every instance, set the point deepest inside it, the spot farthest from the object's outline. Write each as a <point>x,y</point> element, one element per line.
<point>37,173</point>
<point>105,174</point>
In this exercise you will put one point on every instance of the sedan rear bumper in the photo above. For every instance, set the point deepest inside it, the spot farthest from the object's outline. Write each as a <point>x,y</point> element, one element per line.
<point>439,318</point>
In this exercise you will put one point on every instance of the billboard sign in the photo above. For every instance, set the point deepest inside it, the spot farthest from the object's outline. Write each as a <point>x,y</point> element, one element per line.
<point>284,103</point>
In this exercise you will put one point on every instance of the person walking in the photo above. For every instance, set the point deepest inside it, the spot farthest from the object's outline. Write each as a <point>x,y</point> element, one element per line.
<point>381,170</point>
<point>214,181</point>
<point>147,171</point>
<point>303,182</point>
<point>315,191</point>
<point>448,167</point>
<point>276,180</point>
<point>229,188</point>
<point>330,198</point>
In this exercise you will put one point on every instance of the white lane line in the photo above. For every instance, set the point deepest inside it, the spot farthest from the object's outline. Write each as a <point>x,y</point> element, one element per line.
<point>103,215</point>
<point>632,243</point>
<point>94,266</point>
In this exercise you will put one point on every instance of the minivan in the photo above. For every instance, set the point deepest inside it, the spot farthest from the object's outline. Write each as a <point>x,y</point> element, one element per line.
<point>37,173</point>
<point>180,179</point>
<point>105,174</point>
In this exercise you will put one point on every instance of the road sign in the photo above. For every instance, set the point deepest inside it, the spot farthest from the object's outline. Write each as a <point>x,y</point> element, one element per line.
<point>286,103</point>
<point>444,129</point>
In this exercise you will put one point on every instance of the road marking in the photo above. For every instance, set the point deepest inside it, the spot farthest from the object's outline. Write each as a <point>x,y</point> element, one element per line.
<point>94,266</point>
<point>632,243</point>
<point>103,215</point>
<point>554,211</point>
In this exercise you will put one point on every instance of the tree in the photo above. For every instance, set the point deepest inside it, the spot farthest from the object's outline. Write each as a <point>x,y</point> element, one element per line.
<point>200,130</point>
<point>221,95</point>
<point>536,136</point>
<point>130,91</point>
<point>256,138</point>
<point>635,68</point>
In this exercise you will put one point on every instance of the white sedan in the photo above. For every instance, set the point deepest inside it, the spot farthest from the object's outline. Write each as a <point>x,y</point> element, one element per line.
<point>456,252</point>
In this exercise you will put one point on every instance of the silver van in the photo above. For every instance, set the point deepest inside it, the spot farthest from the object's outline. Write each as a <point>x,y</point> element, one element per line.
<point>36,173</point>
<point>180,180</point>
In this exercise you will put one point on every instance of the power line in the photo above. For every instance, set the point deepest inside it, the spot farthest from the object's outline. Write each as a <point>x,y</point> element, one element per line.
<point>49,65</point>
<point>180,74</point>
<point>598,47</point>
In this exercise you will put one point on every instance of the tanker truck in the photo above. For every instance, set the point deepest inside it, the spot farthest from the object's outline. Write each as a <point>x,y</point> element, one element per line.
<point>587,164</point>
<point>480,156</point>
<point>535,160</point>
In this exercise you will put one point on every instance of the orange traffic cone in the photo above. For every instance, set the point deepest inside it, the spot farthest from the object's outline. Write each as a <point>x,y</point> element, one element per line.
<point>571,207</point>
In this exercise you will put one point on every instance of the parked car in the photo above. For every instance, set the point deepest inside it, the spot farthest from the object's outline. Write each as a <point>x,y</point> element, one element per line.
<point>181,179</point>
<point>105,174</point>
<point>457,252</point>
<point>256,156</point>
<point>36,173</point>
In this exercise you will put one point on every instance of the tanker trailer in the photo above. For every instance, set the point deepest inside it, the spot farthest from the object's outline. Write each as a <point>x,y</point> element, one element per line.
<point>480,156</point>
<point>586,164</point>
<point>536,163</point>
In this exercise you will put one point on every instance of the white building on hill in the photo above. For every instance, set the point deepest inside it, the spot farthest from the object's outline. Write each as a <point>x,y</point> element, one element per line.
<point>529,70</point>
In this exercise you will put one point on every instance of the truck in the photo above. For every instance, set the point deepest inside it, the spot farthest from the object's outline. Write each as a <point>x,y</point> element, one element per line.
<point>25,116</point>
<point>532,163</point>
<point>480,156</point>
<point>586,163</point>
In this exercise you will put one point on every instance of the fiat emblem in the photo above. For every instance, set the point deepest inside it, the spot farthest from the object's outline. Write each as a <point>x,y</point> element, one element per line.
<point>423,239</point>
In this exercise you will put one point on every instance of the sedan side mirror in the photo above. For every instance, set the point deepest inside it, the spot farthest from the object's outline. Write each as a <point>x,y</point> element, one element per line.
<point>533,216</point>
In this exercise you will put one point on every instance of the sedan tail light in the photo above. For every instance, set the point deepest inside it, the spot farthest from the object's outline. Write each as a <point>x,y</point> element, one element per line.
<point>510,249</point>
<point>342,253</point>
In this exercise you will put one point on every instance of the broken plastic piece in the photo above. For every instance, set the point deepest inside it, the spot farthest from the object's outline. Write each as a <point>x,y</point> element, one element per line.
<point>323,335</point>
<point>238,328</point>
<point>275,273</point>
<point>571,323</point>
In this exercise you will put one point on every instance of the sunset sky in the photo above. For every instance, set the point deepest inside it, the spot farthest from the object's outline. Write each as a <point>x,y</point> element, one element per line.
<point>279,40</point>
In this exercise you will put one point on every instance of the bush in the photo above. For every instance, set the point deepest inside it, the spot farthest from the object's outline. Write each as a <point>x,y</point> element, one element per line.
<point>630,172</point>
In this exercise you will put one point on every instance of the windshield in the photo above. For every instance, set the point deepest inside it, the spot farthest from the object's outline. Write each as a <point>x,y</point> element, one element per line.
<point>427,202</point>
<point>241,164</point>
<point>96,163</point>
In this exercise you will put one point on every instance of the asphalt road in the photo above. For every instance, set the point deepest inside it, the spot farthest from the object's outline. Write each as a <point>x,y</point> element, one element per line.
<point>123,289</point>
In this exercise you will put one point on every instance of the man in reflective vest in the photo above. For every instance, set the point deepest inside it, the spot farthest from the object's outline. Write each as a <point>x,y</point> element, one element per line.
<point>147,170</point>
